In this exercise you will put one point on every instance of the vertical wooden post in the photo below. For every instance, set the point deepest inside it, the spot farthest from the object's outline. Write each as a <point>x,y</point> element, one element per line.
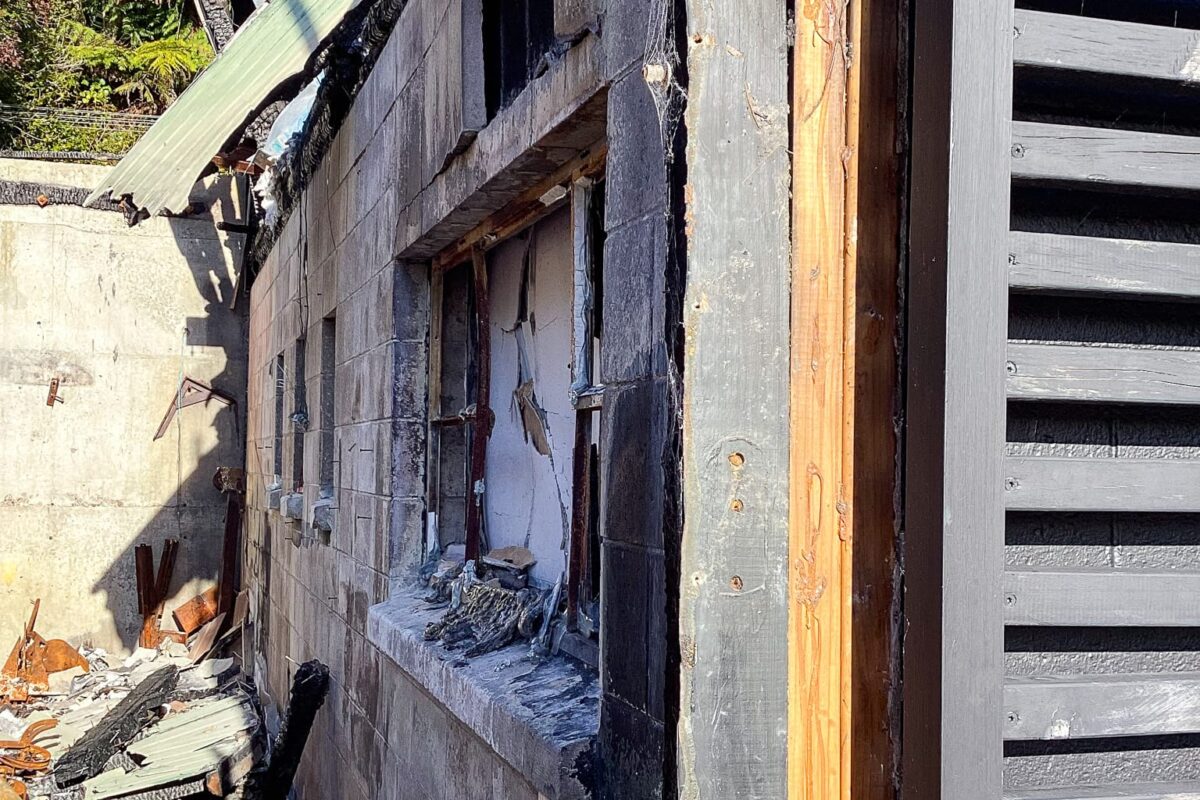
<point>955,402</point>
<point>820,524</point>
<point>874,199</point>
<point>733,605</point>
<point>481,429</point>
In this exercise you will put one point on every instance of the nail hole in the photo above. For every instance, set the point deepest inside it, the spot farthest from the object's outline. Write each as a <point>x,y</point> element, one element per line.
<point>737,505</point>
<point>737,459</point>
<point>736,583</point>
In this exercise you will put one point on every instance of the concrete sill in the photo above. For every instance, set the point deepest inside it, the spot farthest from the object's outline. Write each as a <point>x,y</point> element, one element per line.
<point>540,714</point>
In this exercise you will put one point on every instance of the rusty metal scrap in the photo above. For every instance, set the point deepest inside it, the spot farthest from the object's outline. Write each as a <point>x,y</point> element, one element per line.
<point>22,756</point>
<point>34,659</point>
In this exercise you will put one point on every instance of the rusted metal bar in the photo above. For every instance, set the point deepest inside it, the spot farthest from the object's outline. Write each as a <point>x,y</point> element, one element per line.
<point>143,562</point>
<point>482,428</point>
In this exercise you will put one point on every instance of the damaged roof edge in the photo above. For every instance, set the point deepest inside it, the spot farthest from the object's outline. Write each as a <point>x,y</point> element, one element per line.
<point>276,44</point>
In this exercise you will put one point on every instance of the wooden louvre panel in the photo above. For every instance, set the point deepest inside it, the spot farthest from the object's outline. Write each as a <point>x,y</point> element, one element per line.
<point>1101,479</point>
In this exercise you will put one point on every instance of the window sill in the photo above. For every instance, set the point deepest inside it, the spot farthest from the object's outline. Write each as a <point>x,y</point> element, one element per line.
<point>540,714</point>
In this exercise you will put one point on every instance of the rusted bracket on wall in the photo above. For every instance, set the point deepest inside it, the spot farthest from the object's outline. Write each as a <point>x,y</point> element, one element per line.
<point>191,392</point>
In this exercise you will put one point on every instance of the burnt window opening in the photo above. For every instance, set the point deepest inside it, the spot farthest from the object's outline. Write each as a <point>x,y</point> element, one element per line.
<point>299,415</point>
<point>328,393</point>
<point>277,439</point>
<point>518,37</point>
<point>515,341</point>
<point>322,511</point>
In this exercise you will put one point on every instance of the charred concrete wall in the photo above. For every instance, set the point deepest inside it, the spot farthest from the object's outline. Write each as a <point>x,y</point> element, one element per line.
<point>339,359</point>
<point>117,315</point>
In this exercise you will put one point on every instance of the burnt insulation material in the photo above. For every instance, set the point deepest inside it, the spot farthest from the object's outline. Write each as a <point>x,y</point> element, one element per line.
<point>26,193</point>
<point>348,61</point>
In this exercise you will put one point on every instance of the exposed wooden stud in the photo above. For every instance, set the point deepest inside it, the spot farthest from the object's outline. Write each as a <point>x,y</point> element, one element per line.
<point>1103,374</point>
<point>957,317</point>
<point>1095,706</point>
<point>1101,484</point>
<point>820,520</point>
<point>1053,262</point>
<point>1109,598</point>
<point>1104,156</point>
<point>581,504</point>
<point>1106,47</point>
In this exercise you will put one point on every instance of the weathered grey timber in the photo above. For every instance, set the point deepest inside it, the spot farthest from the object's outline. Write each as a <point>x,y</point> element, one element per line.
<point>1090,706</point>
<point>954,506</point>
<point>1055,262</point>
<point>1107,598</point>
<point>1103,374</point>
<point>1101,484</point>
<point>733,716</point>
<point>1074,154</point>
<point>1108,47</point>
<point>1130,791</point>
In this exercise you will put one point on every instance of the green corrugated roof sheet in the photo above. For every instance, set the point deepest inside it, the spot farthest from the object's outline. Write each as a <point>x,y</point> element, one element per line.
<point>272,46</point>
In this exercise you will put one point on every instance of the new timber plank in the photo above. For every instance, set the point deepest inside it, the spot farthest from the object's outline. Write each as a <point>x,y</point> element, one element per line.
<point>1107,47</point>
<point>821,496</point>
<point>1097,706</point>
<point>1053,262</point>
<point>1101,484</point>
<point>1103,374</point>
<point>1107,598</point>
<point>1075,154</point>
<point>1119,791</point>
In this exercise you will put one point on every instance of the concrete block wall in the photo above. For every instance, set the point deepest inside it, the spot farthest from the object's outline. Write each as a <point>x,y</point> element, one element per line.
<point>640,450</point>
<point>380,735</point>
<point>381,201</point>
<point>117,314</point>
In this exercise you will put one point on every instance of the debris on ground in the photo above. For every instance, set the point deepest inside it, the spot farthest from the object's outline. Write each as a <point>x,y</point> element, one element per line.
<point>485,612</point>
<point>170,721</point>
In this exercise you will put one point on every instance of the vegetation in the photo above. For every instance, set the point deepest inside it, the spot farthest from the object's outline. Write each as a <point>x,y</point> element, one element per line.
<point>132,56</point>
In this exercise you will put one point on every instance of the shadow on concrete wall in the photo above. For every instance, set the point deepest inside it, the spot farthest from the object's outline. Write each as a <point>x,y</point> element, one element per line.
<point>195,512</point>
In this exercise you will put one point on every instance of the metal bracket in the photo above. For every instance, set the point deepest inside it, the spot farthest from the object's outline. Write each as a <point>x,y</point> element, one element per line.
<point>191,392</point>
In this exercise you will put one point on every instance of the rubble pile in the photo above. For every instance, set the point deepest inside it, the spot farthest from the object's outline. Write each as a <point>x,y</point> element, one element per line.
<point>153,726</point>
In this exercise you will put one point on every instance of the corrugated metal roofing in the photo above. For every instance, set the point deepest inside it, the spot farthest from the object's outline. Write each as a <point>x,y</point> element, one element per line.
<point>190,744</point>
<point>272,46</point>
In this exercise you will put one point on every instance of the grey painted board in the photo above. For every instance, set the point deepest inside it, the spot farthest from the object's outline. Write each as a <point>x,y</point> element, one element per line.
<point>1070,153</point>
<point>1128,791</point>
<point>1109,598</point>
<point>1085,44</point>
<point>1103,374</point>
<point>1096,706</point>
<point>1101,484</point>
<point>1053,262</point>
<point>952,745</point>
<point>735,400</point>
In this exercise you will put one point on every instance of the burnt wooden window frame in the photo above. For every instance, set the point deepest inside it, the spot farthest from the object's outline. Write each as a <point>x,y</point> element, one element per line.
<point>574,185</point>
